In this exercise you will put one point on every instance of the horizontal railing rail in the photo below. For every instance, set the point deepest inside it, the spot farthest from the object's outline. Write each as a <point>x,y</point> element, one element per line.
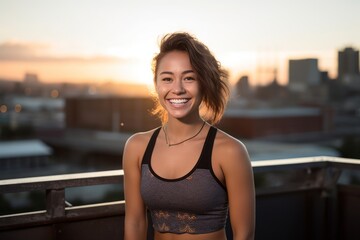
<point>316,173</point>
<point>56,209</point>
<point>60,181</point>
<point>114,176</point>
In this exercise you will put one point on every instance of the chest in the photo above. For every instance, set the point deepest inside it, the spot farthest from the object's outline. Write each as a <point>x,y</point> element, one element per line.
<point>195,192</point>
<point>175,162</point>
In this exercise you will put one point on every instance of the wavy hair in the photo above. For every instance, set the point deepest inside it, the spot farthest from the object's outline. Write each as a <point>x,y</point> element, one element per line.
<point>212,78</point>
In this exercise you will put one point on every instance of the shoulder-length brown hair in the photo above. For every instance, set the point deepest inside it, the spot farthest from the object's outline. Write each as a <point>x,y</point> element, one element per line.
<point>212,78</point>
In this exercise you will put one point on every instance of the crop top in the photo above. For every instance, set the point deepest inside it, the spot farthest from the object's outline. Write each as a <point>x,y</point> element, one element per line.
<point>196,203</point>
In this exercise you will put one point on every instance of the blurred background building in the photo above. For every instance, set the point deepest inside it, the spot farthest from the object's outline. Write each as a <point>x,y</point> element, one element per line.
<point>348,67</point>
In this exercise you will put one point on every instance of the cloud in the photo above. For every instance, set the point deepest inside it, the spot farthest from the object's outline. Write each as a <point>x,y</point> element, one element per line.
<point>18,51</point>
<point>38,52</point>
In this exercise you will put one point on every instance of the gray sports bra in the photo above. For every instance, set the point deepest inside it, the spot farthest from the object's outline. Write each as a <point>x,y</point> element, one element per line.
<point>195,203</point>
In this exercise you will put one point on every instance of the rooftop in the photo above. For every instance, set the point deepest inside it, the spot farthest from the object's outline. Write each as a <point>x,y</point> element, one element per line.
<point>24,148</point>
<point>272,112</point>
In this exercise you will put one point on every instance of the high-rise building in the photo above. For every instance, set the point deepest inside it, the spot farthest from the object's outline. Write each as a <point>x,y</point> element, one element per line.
<point>31,79</point>
<point>348,65</point>
<point>303,73</point>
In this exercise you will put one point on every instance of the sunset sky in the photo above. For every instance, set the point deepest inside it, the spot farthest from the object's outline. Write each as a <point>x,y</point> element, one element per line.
<point>115,40</point>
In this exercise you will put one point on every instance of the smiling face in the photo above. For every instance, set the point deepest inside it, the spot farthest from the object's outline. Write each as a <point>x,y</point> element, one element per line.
<point>177,86</point>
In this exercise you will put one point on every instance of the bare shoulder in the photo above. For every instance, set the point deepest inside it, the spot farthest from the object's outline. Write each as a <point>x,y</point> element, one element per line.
<point>139,140</point>
<point>229,150</point>
<point>136,144</point>
<point>227,144</point>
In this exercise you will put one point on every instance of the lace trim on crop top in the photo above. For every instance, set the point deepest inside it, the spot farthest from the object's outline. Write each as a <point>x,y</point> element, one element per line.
<point>195,203</point>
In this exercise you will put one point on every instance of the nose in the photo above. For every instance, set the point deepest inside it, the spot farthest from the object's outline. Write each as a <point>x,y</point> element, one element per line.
<point>178,87</point>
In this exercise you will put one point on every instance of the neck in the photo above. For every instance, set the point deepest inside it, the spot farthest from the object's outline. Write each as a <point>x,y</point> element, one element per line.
<point>183,127</point>
<point>177,133</point>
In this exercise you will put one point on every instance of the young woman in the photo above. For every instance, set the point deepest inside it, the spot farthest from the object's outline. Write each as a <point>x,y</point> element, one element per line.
<point>190,175</point>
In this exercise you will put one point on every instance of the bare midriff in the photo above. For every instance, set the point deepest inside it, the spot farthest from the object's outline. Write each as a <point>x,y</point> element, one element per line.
<point>218,235</point>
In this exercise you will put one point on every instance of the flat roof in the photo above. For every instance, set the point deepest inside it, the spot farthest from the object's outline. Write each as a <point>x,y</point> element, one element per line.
<point>265,150</point>
<point>24,148</point>
<point>272,112</point>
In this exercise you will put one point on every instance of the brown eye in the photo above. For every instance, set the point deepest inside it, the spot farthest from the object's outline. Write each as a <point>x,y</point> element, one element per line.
<point>166,79</point>
<point>189,79</point>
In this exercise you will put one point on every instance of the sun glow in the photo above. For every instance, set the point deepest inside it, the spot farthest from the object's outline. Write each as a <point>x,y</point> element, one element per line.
<point>137,72</point>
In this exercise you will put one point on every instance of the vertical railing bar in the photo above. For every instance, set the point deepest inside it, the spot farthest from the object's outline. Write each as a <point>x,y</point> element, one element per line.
<point>55,203</point>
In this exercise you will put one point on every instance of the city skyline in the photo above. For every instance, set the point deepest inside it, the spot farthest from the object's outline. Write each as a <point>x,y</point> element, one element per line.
<point>113,40</point>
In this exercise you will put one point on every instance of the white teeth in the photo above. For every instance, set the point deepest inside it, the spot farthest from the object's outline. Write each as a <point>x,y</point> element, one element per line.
<point>178,101</point>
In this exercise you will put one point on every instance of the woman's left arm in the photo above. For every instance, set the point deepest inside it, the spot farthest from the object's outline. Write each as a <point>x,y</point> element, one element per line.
<point>238,175</point>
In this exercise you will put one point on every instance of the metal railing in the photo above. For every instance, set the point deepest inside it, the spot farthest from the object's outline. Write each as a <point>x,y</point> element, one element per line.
<point>309,197</point>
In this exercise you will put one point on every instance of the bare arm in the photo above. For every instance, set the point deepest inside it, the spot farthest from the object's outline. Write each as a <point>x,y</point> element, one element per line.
<point>135,211</point>
<point>239,181</point>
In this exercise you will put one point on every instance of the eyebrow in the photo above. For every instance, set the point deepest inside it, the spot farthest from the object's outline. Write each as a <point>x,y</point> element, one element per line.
<point>171,73</point>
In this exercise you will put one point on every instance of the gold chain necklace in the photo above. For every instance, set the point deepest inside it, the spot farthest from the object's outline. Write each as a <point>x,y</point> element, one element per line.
<point>174,144</point>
